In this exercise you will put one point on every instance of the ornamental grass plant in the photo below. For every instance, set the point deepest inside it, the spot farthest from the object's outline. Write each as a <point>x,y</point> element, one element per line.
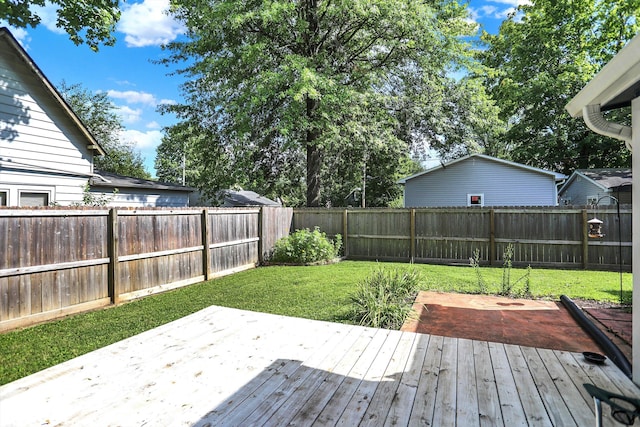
<point>385,297</point>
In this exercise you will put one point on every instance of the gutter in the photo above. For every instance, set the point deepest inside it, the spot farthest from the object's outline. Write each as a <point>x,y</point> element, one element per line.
<point>594,119</point>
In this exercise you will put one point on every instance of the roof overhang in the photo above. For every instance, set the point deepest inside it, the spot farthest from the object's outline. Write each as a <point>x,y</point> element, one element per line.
<point>615,86</point>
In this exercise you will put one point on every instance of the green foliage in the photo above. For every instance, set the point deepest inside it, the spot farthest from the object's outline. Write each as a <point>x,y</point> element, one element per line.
<point>99,115</point>
<point>541,58</point>
<point>306,100</point>
<point>306,247</point>
<point>95,199</point>
<point>506,287</point>
<point>475,263</point>
<point>90,21</point>
<point>384,299</point>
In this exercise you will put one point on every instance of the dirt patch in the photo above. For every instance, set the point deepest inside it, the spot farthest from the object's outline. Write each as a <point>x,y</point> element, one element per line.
<point>533,323</point>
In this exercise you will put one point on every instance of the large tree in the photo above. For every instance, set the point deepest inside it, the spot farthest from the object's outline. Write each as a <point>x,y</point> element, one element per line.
<point>89,21</point>
<point>279,83</point>
<point>541,58</point>
<point>99,115</point>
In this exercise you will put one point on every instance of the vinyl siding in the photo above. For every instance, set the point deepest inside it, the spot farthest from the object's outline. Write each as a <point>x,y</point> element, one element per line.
<point>64,190</point>
<point>35,130</point>
<point>40,146</point>
<point>132,198</point>
<point>578,191</point>
<point>501,185</point>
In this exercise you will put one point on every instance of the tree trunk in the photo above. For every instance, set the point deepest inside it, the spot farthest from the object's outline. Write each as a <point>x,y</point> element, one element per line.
<point>313,175</point>
<point>314,152</point>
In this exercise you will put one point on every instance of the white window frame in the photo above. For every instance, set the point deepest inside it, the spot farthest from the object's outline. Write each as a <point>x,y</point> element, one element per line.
<point>592,200</point>
<point>471,195</point>
<point>7,202</point>
<point>49,191</point>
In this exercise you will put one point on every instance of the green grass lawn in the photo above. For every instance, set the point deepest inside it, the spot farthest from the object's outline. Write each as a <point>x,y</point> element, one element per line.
<point>316,292</point>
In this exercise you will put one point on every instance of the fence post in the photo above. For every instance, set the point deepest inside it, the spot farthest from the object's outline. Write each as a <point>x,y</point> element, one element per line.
<point>205,243</point>
<point>345,232</point>
<point>585,240</point>
<point>113,287</point>
<point>412,237</point>
<point>492,236</point>
<point>260,236</point>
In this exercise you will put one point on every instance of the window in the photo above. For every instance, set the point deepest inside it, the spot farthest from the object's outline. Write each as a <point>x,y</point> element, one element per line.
<point>3,198</point>
<point>32,198</point>
<point>592,200</point>
<point>475,199</point>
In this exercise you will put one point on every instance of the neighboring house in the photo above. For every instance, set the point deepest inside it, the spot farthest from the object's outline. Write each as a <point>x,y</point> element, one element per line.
<point>125,191</point>
<point>246,198</point>
<point>481,180</point>
<point>46,153</point>
<point>590,186</point>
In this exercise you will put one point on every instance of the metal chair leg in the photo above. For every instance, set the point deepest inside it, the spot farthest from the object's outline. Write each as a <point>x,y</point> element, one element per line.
<point>598,404</point>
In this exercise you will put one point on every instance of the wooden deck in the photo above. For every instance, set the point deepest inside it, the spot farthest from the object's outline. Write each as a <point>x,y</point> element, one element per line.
<point>226,367</point>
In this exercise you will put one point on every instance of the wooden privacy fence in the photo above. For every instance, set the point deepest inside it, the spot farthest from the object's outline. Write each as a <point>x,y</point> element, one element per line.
<point>549,237</point>
<point>60,261</point>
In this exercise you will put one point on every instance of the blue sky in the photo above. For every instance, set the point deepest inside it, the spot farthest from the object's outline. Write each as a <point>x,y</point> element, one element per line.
<point>126,72</point>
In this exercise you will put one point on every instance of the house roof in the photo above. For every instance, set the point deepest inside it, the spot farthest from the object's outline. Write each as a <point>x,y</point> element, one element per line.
<point>557,176</point>
<point>111,180</point>
<point>246,198</point>
<point>615,85</point>
<point>606,179</point>
<point>8,39</point>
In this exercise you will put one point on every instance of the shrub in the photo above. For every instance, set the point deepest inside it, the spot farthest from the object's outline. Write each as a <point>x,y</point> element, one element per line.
<point>306,247</point>
<point>384,299</point>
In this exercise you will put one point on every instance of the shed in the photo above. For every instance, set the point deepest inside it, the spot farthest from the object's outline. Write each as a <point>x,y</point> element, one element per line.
<point>46,152</point>
<point>125,191</point>
<point>481,180</point>
<point>618,85</point>
<point>593,186</point>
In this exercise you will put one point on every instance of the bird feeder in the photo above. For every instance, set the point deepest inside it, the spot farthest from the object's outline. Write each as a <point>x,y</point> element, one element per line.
<point>595,228</point>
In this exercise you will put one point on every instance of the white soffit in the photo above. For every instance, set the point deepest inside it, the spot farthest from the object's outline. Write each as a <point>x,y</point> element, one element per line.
<point>615,85</point>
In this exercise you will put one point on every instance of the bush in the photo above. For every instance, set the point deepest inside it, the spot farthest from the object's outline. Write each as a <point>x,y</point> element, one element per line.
<point>384,299</point>
<point>306,247</point>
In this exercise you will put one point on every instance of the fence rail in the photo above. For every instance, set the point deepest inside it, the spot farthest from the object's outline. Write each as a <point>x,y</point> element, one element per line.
<point>549,237</point>
<point>61,261</point>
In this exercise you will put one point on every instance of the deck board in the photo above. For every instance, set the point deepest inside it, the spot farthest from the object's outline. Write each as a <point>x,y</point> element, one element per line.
<point>224,366</point>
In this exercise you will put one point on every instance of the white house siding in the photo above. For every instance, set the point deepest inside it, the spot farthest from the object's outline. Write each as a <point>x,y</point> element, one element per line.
<point>62,190</point>
<point>133,198</point>
<point>39,144</point>
<point>501,185</point>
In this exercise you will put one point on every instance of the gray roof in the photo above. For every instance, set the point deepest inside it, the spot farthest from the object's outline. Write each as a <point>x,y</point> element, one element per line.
<point>558,176</point>
<point>607,178</point>
<point>112,180</point>
<point>246,198</point>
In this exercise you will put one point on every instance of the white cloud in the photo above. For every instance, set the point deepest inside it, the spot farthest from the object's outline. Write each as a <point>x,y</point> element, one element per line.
<point>143,141</point>
<point>129,115</point>
<point>134,97</point>
<point>148,24</point>
<point>496,12</point>
<point>48,16</point>
<point>514,3</point>
<point>20,34</point>
<point>153,125</point>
